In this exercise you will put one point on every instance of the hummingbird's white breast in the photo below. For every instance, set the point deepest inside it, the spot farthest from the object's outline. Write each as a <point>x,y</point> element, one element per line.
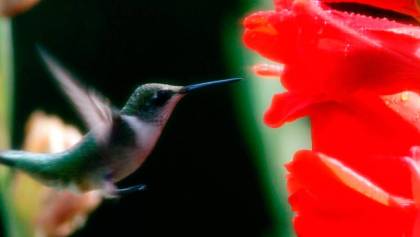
<point>146,136</point>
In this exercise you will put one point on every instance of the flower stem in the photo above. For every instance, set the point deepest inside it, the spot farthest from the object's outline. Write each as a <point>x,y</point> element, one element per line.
<point>6,82</point>
<point>10,219</point>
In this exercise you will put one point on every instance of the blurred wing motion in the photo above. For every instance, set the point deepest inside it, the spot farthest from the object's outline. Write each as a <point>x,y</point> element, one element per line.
<point>95,110</point>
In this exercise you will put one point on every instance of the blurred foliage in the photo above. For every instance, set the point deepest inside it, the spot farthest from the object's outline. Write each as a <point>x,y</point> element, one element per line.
<point>6,81</point>
<point>6,78</point>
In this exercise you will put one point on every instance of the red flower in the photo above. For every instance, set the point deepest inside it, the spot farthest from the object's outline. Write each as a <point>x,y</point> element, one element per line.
<point>357,76</point>
<point>329,53</point>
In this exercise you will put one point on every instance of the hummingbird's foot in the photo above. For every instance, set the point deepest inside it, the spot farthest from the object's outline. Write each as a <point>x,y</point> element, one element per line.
<point>111,191</point>
<point>129,190</point>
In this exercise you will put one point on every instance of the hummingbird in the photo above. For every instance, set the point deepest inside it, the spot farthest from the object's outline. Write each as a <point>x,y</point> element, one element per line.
<point>118,141</point>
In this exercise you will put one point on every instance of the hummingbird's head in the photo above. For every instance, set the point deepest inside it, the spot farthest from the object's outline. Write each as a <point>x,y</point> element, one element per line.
<point>155,102</point>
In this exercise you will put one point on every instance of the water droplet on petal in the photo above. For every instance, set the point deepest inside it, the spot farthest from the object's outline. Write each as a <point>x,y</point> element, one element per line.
<point>404,96</point>
<point>347,49</point>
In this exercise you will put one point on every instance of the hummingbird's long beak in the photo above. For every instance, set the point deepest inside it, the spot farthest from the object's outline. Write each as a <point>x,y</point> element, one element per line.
<point>198,86</point>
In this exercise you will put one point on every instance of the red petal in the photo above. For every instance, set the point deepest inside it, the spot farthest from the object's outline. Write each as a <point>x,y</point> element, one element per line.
<point>268,70</point>
<point>406,105</point>
<point>286,107</point>
<point>364,131</point>
<point>332,200</point>
<point>415,171</point>
<point>408,7</point>
<point>262,31</point>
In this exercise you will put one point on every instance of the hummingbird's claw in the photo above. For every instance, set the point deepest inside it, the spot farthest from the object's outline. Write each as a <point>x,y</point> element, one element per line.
<point>129,190</point>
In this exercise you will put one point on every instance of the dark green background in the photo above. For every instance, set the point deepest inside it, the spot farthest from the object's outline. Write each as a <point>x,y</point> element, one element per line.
<point>201,177</point>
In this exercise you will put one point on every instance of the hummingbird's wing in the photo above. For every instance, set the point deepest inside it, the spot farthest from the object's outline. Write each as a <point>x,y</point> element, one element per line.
<point>96,111</point>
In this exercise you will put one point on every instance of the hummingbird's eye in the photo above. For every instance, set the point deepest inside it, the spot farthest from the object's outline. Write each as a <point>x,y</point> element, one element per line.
<point>161,97</point>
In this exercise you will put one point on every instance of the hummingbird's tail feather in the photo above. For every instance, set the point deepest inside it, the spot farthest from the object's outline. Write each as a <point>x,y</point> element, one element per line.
<point>8,158</point>
<point>37,165</point>
<point>23,160</point>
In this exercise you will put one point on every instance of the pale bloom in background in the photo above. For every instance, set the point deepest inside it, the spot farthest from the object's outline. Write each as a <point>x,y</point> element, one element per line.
<point>51,213</point>
<point>14,7</point>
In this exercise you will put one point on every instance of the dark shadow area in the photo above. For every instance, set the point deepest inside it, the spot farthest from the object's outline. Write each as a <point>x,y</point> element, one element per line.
<point>201,178</point>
